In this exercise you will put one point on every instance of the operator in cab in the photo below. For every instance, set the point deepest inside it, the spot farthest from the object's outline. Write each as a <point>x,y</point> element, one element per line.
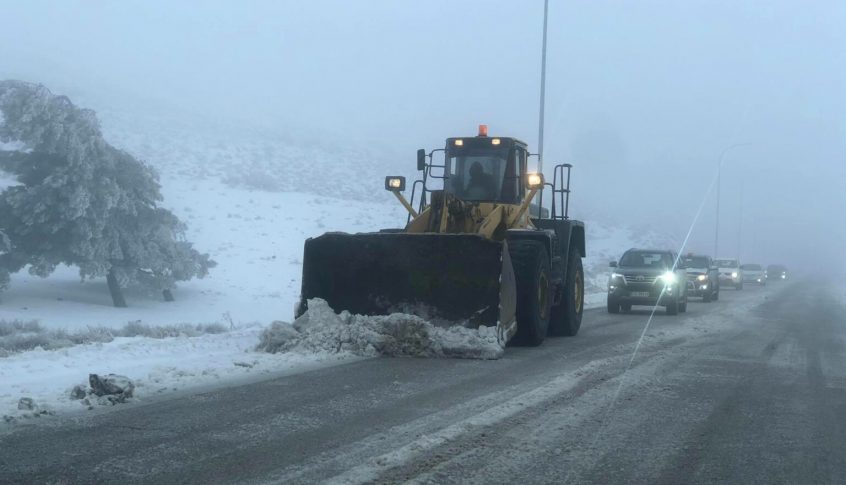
<point>481,185</point>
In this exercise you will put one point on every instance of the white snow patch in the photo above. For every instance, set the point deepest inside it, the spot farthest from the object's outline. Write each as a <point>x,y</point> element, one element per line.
<point>13,146</point>
<point>321,330</point>
<point>156,366</point>
<point>256,238</point>
<point>209,178</point>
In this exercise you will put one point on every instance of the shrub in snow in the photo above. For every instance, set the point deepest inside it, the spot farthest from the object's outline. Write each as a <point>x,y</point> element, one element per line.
<point>17,336</point>
<point>83,202</point>
<point>277,337</point>
<point>138,329</point>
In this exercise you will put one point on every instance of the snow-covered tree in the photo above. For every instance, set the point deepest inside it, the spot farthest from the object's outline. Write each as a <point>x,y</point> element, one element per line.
<point>83,202</point>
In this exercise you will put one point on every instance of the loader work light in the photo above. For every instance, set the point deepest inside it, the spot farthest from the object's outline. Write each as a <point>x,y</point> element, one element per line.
<point>459,143</point>
<point>395,183</point>
<point>495,141</point>
<point>534,180</point>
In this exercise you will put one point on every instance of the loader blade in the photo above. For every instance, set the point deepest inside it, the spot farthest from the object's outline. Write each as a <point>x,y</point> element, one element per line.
<point>463,279</point>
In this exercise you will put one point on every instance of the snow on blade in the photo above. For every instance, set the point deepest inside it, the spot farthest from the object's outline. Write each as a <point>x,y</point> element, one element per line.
<point>321,330</point>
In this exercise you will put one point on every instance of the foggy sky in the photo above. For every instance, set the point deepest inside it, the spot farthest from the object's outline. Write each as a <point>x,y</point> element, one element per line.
<point>642,96</point>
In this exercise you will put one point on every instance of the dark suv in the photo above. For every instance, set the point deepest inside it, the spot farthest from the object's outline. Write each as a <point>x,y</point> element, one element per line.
<point>648,277</point>
<point>703,277</point>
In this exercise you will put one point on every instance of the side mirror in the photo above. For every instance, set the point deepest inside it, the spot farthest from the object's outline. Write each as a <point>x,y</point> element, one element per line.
<point>421,159</point>
<point>395,183</point>
<point>612,264</point>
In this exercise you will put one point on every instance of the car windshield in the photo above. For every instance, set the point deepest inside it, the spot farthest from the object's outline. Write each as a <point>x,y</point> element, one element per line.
<point>646,259</point>
<point>726,263</point>
<point>751,267</point>
<point>696,262</point>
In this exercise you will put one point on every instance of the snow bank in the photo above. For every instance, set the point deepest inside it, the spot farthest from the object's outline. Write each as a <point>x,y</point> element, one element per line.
<point>157,367</point>
<point>321,330</point>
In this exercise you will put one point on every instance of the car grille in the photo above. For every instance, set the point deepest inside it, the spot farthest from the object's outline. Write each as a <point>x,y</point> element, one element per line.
<point>640,279</point>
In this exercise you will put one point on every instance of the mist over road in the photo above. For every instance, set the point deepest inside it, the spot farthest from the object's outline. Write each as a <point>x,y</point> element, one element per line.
<point>750,389</point>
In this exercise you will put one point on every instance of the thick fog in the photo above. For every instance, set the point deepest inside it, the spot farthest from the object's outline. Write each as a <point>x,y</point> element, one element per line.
<point>642,97</point>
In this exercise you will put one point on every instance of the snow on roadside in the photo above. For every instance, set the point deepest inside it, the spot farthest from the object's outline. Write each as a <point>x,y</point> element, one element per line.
<point>322,330</point>
<point>255,237</point>
<point>156,366</point>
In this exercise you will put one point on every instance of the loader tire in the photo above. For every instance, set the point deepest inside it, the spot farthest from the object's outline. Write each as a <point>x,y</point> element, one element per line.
<point>566,318</point>
<point>531,272</point>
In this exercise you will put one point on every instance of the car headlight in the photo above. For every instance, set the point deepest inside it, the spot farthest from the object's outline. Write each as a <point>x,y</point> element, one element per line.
<point>668,278</point>
<point>734,275</point>
<point>702,277</point>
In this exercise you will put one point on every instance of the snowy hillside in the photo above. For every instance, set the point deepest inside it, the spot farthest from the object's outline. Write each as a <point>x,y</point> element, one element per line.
<point>253,158</point>
<point>250,199</point>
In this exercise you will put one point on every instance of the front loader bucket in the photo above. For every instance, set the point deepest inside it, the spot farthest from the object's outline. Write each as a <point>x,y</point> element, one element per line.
<point>461,278</point>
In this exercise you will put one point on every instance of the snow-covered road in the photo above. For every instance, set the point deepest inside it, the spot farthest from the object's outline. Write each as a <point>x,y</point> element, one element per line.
<point>753,378</point>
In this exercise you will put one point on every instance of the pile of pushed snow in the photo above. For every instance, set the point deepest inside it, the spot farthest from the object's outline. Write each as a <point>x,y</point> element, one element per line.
<point>321,330</point>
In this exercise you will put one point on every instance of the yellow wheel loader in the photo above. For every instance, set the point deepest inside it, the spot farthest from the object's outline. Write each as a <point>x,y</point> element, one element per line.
<point>480,248</point>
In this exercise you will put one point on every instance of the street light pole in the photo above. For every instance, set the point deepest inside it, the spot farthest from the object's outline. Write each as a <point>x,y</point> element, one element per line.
<point>740,227</point>
<point>542,89</point>
<point>719,176</point>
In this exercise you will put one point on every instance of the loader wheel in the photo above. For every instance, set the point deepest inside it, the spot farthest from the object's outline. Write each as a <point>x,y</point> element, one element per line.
<point>531,272</point>
<point>566,318</point>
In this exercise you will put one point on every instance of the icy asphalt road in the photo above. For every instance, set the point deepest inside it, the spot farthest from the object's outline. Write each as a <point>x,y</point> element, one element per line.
<point>750,389</point>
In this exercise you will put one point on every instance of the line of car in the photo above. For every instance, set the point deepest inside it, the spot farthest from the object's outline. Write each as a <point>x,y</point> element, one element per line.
<point>657,277</point>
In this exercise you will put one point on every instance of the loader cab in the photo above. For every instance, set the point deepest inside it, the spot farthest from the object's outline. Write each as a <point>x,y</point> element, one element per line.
<point>485,169</point>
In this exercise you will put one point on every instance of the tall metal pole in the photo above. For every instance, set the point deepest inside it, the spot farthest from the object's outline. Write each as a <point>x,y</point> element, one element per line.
<point>542,88</point>
<point>740,229</point>
<point>719,176</point>
<point>717,228</point>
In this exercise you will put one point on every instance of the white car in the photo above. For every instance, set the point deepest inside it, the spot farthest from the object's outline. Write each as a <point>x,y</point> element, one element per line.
<point>730,272</point>
<point>754,274</point>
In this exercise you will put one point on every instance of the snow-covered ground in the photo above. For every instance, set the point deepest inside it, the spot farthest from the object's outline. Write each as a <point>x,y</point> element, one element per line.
<point>250,199</point>
<point>156,366</point>
<point>256,237</point>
